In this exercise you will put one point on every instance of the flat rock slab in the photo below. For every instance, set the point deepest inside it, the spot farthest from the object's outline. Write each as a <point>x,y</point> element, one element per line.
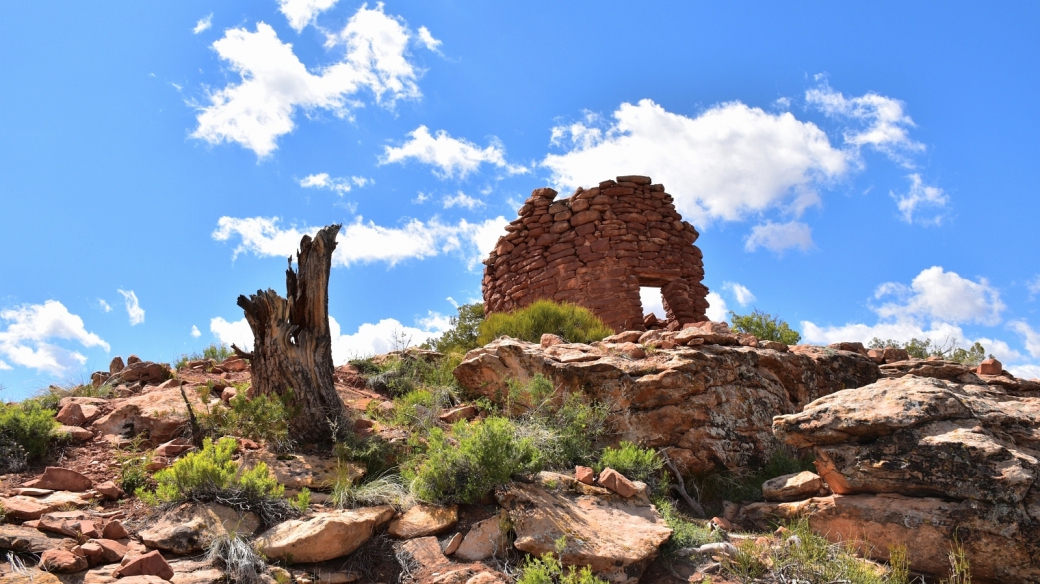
<point>324,536</point>
<point>25,508</point>
<point>302,470</point>
<point>424,520</point>
<point>792,487</point>
<point>17,538</point>
<point>191,527</point>
<point>614,537</point>
<point>56,478</point>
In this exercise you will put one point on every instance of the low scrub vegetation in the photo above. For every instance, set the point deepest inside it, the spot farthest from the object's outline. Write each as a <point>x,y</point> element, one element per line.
<point>548,569</point>
<point>639,464</point>
<point>716,487</point>
<point>26,430</point>
<point>210,474</point>
<point>261,418</point>
<point>464,331</point>
<point>217,352</point>
<point>569,321</point>
<point>948,350</point>
<point>765,327</point>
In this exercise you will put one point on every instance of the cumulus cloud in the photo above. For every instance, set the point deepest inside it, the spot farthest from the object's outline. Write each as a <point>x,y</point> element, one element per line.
<point>462,200</point>
<point>1033,286</point>
<point>727,163</point>
<point>1030,336</point>
<point>300,13</point>
<point>879,121</point>
<point>778,237</point>
<point>1025,371</point>
<point>337,184</point>
<point>899,330</point>
<point>133,307</point>
<point>742,294</point>
<point>653,302</point>
<point>370,339</point>
<point>717,311</point>
<point>5,366</point>
<point>203,24</point>
<point>235,333</point>
<point>428,41</point>
<point>941,295</point>
<point>195,332</point>
<point>361,242</point>
<point>104,305</point>
<point>450,157</point>
<point>275,84</point>
<point>28,340</point>
<point>921,195</point>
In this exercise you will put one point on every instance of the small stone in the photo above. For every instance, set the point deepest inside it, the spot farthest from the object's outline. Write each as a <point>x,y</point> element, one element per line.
<point>548,340</point>
<point>110,490</point>
<point>228,394</point>
<point>584,474</point>
<point>90,550</point>
<point>453,544</point>
<point>150,564</point>
<point>111,550</point>
<point>114,530</point>
<point>721,523</point>
<point>484,539</point>
<point>617,482</point>
<point>60,479</point>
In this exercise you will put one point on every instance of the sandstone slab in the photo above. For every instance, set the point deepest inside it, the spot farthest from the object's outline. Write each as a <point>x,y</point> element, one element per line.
<point>423,520</point>
<point>483,540</point>
<point>324,536</point>
<point>25,508</point>
<point>56,478</point>
<point>792,487</point>
<point>191,527</point>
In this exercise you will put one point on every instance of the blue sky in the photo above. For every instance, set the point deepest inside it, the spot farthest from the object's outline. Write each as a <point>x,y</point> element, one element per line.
<point>861,170</point>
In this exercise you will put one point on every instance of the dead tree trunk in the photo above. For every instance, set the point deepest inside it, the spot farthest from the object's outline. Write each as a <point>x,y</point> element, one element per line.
<point>292,345</point>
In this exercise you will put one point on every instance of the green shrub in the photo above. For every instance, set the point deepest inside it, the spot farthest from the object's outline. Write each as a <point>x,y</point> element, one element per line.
<point>569,321</point>
<point>400,375</point>
<point>919,349</point>
<point>210,474</point>
<point>376,454</point>
<point>814,559</point>
<point>548,569</point>
<point>301,501</point>
<point>216,352</point>
<point>746,486</point>
<point>765,326</point>
<point>638,464</point>
<point>564,428</point>
<point>133,467</point>
<point>464,465</point>
<point>262,418</point>
<point>464,331</point>
<point>686,532</point>
<point>25,433</point>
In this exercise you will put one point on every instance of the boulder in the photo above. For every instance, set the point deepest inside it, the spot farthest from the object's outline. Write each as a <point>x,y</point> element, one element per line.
<point>62,561</point>
<point>423,520</point>
<point>24,508</point>
<point>584,474</point>
<point>145,372</point>
<point>160,413</point>
<point>111,550</point>
<point>116,365</point>
<point>303,470</point>
<point>617,482</point>
<point>460,413</point>
<point>484,539</point>
<point>150,564</point>
<point>615,537</point>
<point>792,487</point>
<point>935,368</point>
<point>77,414</point>
<point>74,432</point>
<point>711,406</point>
<point>324,536</point>
<point>18,538</point>
<point>114,530</point>
<point>990,367</point>
<point>110,491</point>
<point>191,527</point>
<point>56,478</point>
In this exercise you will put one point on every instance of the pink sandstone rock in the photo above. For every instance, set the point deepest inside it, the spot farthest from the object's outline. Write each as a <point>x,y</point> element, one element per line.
<point>990,367</point>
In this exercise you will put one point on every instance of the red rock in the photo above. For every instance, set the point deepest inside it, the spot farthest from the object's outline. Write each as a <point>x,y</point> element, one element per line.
<point>722,523</point>
<point>617,482</point>
<point>235,364</point>
<point>111,550</point>
<point>549,340</point>
<point>62,561</point>
<point>150,564</point>
<point>990,367</point>
<point>459,413</point>
<point>90,550</point>
<point>110,490</point>
<point>228,394</point>
<point>174,447</point>
<point>116,365</point>
<point>75,414</point>
<point>141,580</point>
<point>114,530</point>
<point>584,474</point>
<point>60,479</point>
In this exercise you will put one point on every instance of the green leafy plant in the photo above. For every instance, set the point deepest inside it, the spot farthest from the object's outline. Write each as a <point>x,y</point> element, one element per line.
<point>26,430</point>
<point>301,501</point>
<point>262,418</point>
<point>899,565</point>
<point>548,569</point>
<point>211,474</point>
<point>639,464</point>
<point>960,567</point>
<point>808,557</point>
<point>686,532</point>
<point>463,465</point>
<point>569,321</point>
<point>564,427</point>
<point>765,326</point>
<point>464,331</point>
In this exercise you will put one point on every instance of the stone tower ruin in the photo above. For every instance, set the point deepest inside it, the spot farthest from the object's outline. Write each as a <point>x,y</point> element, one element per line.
<point>596,249</point>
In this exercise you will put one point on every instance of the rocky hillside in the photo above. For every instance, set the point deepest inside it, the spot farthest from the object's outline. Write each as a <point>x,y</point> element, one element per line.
<point>453,471</point>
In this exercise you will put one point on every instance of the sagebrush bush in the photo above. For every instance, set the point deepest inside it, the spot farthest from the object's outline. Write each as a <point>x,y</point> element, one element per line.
<point>26,430</point>
<point>211,474</point>
<point>569,321</point>
<point>463,465</point>
<point>548,569</point>
<point>262,418</point>
<point>241,563</point>
<point>217,352</point>
<point>765,326</point>
<point>565,427</point>
<point>638,464</point>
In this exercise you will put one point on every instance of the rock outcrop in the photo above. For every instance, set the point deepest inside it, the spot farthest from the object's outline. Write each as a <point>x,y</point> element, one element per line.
<point>324,536</point>
<point>920,461</point>
<point>711,405</point>
<point>596,249</point>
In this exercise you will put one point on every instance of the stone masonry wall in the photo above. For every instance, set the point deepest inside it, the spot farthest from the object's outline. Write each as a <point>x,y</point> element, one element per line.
<point>596,249</point>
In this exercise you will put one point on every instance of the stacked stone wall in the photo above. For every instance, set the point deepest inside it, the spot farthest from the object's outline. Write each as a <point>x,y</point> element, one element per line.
<point>596,249</point>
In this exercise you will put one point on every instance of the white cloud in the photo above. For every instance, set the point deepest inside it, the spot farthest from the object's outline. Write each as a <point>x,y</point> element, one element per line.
<point>999,349</point>
<point>1033,286</point>
<point>1025,371</point>
<point>449,156</point>
<point>1030,337</point>
<point>729,162</point>
<point>5,366</point>
<point>382,337</point>
<point>31,328</point>
<point>195,332</point>
<point>743,295</point>
<point>339,185</point>
<point>203,24</point>
<point>133,307</point>
<point>920,195</point>
<point>717,311</point>
<point>421,198</point>
<point>362,242</point>
<point>104,305</point>
<point>937,294</point>
<point>275,84</point>
<point>300,13</point>
<point>237,332</point>
<point>462,200</point>
<point>881,121</point>
<point>778,237</point>
<point>428,41</point>
<point>652,302</point>
<point>901,331</point>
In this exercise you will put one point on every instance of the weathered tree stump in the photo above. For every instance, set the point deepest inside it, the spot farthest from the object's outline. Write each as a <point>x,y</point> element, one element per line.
<point>292,345</point>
